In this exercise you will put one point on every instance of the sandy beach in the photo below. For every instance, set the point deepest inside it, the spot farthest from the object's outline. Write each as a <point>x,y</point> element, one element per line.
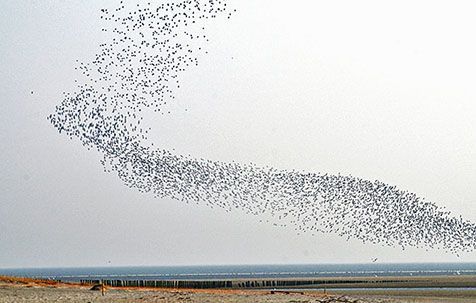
<point>29,290</point>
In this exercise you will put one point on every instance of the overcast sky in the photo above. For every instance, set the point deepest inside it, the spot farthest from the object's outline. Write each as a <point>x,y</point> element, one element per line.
<point>376,89</point>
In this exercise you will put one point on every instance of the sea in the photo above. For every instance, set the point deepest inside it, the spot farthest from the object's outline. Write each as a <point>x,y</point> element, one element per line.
<point>223,272</point>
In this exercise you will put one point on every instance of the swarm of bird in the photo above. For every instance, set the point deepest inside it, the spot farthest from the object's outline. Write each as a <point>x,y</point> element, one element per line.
<point>137,70</point>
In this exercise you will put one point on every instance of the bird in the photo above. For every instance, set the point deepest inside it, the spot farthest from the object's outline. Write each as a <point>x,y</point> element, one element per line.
<point>138,70</point>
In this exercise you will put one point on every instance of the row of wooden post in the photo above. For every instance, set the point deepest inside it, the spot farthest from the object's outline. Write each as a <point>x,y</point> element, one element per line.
<point>219,283</point>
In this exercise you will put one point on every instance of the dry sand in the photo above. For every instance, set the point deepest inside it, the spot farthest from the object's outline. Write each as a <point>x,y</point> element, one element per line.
<point>28,290</point>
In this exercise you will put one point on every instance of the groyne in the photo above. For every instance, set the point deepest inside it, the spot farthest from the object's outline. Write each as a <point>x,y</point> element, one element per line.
<point>318,283</point>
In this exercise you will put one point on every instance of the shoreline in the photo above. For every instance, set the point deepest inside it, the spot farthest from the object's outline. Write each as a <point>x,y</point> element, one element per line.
<point>315,284</point>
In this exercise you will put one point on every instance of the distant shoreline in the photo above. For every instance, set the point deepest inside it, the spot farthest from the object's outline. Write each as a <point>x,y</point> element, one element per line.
<point>315,283</point>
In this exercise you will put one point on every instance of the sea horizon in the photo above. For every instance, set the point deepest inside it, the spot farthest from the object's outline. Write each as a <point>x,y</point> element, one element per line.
<point>245,271</point>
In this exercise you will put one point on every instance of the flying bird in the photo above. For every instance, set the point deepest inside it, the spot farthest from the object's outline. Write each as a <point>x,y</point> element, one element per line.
<point>137,71</point>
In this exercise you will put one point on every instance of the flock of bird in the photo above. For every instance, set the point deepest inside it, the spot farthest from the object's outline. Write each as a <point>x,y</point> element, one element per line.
<point>137,70</point>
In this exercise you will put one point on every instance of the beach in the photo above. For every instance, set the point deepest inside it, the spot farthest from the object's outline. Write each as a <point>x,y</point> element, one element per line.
<point>30,290</point>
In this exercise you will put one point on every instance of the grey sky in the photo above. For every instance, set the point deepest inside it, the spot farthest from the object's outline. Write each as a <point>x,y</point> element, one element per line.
<point>379,91</point>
